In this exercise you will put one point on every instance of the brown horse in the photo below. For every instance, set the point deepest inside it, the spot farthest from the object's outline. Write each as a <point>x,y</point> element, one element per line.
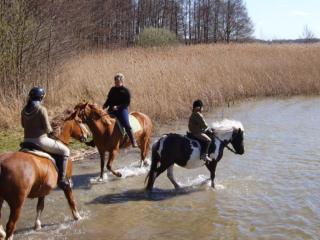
<point>25,175</point>
<point>108,137</point>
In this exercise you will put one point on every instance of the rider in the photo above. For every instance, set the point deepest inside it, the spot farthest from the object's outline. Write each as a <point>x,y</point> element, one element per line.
<point>198,127</point>
<point>37,129</point>
<point>117,103</point>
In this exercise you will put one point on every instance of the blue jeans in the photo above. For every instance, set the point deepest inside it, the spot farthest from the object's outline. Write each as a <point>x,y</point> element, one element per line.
<point>123,116</point>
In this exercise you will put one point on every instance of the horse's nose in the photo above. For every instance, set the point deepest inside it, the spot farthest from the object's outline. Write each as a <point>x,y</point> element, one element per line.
<point>83,139</point>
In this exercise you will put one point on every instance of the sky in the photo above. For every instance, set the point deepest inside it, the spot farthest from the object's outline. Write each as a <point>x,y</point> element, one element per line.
<point>284,19</point>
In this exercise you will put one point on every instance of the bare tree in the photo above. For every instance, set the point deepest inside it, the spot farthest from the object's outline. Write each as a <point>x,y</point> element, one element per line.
<point>307,34</point>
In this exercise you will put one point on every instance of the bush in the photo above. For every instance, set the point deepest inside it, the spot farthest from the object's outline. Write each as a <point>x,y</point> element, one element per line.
<point>152,37</point>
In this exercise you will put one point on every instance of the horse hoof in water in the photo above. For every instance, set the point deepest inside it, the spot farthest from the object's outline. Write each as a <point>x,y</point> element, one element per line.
<point>37,225</point>
<point>118,174</point>
<point>77,216</point>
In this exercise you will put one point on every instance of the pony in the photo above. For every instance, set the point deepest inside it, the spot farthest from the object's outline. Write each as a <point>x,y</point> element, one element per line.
<point>184,151</point>
<point>26,175</point>
<point>107,135</point>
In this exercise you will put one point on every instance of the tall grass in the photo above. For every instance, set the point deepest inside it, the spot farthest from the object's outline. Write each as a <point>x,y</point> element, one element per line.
<point>165,81</point>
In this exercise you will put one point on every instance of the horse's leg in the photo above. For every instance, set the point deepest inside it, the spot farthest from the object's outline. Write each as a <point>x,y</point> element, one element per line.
<point>102,163</point>
<point>15,210</point>
<point>154,173</point>
<point>212,168</point>
<point>2,232</point>
<point>40,206</point>
<point>109,164</point>
<point>171,177</point>
<point>72,203</point>
<point>144,147</point>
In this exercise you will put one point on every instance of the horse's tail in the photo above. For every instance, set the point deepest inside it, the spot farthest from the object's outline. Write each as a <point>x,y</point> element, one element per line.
<point>155,157</point>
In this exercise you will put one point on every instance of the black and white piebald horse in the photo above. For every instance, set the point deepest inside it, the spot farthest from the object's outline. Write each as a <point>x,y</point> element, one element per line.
<point>184,151</point>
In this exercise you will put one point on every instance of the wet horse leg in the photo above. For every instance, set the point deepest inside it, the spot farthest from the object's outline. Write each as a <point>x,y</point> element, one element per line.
<point>40,206</point>
<point>15,210</point>
<point>156,174</point>
<point>2,232</point>
<point>212,168</point>
<point>109,164</point>
<point>102,163</point>
<point>144,147</point>
<point>171,177</point>
<point>72,203</point>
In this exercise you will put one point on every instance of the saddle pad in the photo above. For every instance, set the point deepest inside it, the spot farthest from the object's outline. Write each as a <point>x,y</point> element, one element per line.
<point>39,153</point>
<point>134,123</point>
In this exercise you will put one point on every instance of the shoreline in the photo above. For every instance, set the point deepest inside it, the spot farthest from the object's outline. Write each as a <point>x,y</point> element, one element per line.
<point>11,138</point>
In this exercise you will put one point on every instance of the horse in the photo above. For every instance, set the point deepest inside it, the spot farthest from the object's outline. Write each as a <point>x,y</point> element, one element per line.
<point>185,151</point>
<point>108,137</point>
<point>26,175</point>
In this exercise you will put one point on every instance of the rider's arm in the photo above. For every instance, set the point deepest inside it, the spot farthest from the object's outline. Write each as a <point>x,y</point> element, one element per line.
<point>108,101</point>
<point>45,120</point>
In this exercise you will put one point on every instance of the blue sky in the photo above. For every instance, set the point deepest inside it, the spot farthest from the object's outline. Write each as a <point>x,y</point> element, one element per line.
<point>284,19</point>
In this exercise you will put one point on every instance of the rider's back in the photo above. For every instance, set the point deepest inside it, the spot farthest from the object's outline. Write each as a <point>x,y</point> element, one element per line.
<point>35,122</point>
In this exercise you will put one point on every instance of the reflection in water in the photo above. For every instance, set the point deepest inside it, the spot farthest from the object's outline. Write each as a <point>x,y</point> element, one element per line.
<point>271,192</point>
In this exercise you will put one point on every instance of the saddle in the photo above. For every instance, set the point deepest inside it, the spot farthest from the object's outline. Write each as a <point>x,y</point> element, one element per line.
<point>134,123</point>
<point>35,149</point>
<point>192,137</point>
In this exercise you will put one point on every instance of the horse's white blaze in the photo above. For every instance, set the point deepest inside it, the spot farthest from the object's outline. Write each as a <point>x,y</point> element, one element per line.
<point>86,132</point>
<point>194,161</point>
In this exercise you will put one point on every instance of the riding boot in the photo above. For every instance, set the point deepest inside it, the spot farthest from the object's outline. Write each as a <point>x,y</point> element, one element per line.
<point>204,155</point>
<point>63,181</point>
<point>132,139</point>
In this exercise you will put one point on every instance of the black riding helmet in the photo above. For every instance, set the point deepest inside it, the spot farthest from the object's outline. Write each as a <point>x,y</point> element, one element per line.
<point>37,94</point>
<point>197,103</point>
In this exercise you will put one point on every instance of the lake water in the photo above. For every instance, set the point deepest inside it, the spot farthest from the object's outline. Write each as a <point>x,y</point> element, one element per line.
<point>270,192</point>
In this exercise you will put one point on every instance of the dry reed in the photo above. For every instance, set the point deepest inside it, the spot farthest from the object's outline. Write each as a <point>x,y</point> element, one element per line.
<point>165,81</point>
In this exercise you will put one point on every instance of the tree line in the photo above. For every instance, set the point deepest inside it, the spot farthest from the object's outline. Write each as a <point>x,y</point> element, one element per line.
<point>36,34</point>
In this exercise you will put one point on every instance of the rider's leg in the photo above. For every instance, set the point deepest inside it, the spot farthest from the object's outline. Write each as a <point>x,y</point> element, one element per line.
<point>123,117</point>
<point>56,147</point>
<point>205,150</point>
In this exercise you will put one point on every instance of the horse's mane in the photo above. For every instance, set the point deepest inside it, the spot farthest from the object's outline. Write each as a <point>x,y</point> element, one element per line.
<point>105,117</point>
<point>58,120</point>
<point>227,125</point>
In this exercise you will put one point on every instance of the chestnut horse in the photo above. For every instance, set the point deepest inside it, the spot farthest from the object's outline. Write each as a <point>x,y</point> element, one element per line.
<point>108,137</point>
<point>25,175</point>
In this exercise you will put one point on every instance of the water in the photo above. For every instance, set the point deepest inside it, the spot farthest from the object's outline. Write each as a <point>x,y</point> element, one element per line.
<point>270,192</point>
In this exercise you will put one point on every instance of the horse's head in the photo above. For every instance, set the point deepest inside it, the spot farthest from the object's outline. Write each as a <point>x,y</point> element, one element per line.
<point>68,125</point>
<point>230,131</point>
<point>237,140</point>
<point>77,129</point>
<point>89,113</point>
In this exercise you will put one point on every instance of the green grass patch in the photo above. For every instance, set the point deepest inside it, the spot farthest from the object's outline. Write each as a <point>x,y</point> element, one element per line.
<point>10,141</point>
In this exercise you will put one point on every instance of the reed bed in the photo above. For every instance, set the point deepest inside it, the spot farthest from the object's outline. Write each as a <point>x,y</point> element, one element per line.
<point>165,81</point>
